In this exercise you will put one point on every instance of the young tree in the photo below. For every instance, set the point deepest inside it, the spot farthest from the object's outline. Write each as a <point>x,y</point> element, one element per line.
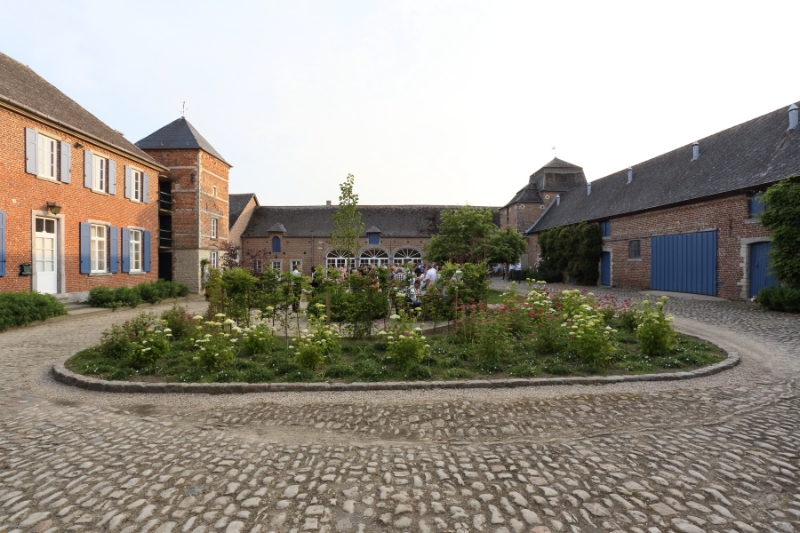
<point>782,219</point>
<point>347,220</point>
<point>469,235</point>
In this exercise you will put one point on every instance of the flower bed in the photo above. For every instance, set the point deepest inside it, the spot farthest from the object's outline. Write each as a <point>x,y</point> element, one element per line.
<point>542,334</point>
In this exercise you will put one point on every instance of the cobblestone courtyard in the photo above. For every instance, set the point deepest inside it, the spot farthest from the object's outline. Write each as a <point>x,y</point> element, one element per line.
<point>716,454</point>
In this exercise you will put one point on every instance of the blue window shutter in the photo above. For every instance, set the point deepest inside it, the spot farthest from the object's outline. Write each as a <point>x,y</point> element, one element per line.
<point>112,176</point>
<point>276,244</point>
<point>2,243</point>
<point>113,249</point>
<point>145,187</point>
<point>66,152</point>
<point>128,182</point>
<point>86,248</point>
<point>126,250</point>
<point>87,169</point>
<point>146,249</point>
<point>31,145</point>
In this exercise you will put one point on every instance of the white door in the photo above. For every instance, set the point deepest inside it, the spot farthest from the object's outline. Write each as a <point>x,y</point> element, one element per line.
<point>44,256</point>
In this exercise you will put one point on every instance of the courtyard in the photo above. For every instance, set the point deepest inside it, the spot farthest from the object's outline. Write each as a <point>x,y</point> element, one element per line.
<point>714,454</point>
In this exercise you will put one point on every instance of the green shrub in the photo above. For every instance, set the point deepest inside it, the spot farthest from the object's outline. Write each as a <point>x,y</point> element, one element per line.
<point>259,340</point>
<point>151,292</point>
<point>655,333</point>
<point>178,320</point>
<point>20,308</point>
<point>778,298</point>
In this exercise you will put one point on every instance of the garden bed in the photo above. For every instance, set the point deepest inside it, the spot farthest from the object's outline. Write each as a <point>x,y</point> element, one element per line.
<point>540,335</point>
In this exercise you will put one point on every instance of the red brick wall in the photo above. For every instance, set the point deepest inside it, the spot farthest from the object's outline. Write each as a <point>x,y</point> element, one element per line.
<point>23,193</point>
<point>727,215</point>
<point>182,164</point>
<point>301,248</point>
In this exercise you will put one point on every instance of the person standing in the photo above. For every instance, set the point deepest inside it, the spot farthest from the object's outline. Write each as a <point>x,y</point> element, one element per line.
<point>297,287</point>
<point>431,276</point>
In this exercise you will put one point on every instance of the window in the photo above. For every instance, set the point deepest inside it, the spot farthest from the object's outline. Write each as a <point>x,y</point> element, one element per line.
<point>213,228</point>
<point>404,255</point>
<point>136,250</point>
<point>757,205</point>
<point>374,238</point>
<point>634,249</point>
<point>275,265</point>
<point>99,248</point>
<point>257,265</point>
<point>214,191</point>
<point>374,257</point>
<point>100,173</point>
<point>47,153</point>
<point>276,244</point>
<point>137,184</point>
<point>338,259</point>
<point>296,263</point>
<point>605,228</point>
<point>213,259</point>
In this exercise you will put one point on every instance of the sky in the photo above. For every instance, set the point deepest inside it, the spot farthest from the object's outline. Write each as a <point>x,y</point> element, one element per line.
<point>425,102</point>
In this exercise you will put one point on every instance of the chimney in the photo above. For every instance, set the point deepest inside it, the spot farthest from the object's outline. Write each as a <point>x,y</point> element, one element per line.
<point>588,189</point>
<point>327,202</point>
<point>695,151</point>
<point>558,199</point>
<point>793,116</point>
<point>630,174</point>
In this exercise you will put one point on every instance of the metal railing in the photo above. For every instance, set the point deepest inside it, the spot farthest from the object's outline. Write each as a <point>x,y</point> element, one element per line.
<point>165,238</point>
<point>165,200</point>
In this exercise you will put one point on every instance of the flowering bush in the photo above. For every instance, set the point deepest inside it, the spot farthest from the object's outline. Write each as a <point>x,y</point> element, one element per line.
<point>406,345</point>
<point>215,341</point>
<point>259,340</point>
<point>655,332</point>
<point>589,337</point>
<point>141,341</point>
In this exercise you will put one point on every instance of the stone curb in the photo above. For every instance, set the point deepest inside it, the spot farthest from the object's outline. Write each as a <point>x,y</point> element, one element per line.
<point>62,375</point>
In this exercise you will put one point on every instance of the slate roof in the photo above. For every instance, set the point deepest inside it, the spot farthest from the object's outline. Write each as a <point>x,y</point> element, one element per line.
<point>748,156</point>
<point>527,194</point>
<point>393,220</point>
<point>23,88</point>
<point>178,134</point>
<point>236,204</point>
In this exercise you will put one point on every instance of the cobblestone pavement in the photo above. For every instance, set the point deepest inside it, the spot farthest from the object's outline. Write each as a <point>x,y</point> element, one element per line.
<point>717,454</point>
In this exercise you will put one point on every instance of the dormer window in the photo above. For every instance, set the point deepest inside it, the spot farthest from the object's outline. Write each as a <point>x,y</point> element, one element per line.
<point>276,244</point>
<point>374,238</point>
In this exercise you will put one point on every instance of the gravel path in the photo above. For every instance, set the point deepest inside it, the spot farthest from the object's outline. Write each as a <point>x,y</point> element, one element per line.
<point>716,454</point>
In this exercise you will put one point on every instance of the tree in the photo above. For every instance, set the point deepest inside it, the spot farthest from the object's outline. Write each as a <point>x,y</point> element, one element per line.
<point>469,235</point>
<point>347,220</point>
<point>576,249</point>
<point>782,219</point>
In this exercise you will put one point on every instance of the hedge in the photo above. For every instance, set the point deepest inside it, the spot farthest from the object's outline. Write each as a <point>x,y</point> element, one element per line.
<point>150,292</point>
<point>20,308</point>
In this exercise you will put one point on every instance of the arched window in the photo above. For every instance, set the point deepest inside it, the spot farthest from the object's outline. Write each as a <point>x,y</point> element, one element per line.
<point>404,255</point>
<point>373,257</point>
<point>336,259</point>
<point>276,244</point>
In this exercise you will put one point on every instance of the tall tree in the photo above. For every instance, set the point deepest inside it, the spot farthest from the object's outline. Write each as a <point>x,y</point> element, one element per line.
<point>469,235</point>
<point>347,220</point>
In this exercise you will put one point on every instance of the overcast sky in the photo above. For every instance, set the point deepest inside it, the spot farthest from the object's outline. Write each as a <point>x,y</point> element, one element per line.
<point>425,102</point>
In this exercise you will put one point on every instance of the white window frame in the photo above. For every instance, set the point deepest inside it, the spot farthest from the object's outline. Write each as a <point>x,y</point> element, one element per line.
<point>213,259</point>
<point>276,265</point>
<point>137,180</point>
<point>214,190</point>
<point>99,249</point>
<point>213,228</point>
<point>47,157</point>
<point>136,238</point>
<point>336,259</point>
<point>296,263</point>
<point>99,173</point>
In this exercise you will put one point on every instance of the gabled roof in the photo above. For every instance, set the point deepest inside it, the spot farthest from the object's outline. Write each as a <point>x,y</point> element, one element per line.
<point>748,156</point>
<point>277,228</point>
<point>373,229</point>
<point>528,194</point>
<point>560,163</point>
<point>22,88</point>
<point>305,221</point>
<point>177,135</point>
<point>236,204</point>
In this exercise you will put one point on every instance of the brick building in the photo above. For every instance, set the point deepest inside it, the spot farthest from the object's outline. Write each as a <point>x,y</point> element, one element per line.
<point>683,221</point>
<point>78,205</point>
<point>282,237</point>
<point>193,192</point>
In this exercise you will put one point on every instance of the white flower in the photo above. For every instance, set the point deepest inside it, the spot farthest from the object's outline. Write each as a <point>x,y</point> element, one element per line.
<point>197,317</point>
<point>394,317</point>
<point>220,315</point>
<point>229,321</point>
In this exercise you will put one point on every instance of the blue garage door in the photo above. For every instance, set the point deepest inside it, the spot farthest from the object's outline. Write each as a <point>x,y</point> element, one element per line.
<point>760,274</point>
<point>605,269</point>
<point>684,263</point>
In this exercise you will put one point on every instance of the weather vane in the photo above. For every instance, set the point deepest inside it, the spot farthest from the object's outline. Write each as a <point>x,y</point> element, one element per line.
<point>183,109</point>
<point>554,151</point>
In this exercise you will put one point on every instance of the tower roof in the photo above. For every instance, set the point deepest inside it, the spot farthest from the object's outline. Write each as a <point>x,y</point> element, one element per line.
<point>178,135</point>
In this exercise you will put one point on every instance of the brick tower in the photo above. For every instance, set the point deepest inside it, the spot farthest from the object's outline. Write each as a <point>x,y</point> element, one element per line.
<point>193,201</point>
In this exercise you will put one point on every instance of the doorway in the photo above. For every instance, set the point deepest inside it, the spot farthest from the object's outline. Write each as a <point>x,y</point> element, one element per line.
<point>45,256</point>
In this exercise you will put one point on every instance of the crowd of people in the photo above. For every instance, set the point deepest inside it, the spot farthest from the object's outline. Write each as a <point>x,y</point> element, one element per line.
<point>509,271</point>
